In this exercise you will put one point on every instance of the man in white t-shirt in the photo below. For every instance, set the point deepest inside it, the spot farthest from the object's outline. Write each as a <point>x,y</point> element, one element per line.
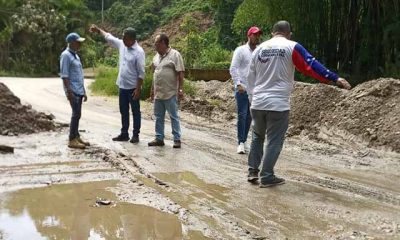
<point>238,70</point>
<point>270,83</point>
<point>166,89</point>
<point>130,79</point>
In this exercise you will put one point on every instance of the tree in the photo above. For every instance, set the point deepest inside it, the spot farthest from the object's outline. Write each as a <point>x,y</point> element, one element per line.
<point>359,38</point>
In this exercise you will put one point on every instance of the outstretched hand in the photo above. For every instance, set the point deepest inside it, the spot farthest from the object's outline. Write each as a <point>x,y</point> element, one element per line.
<point>343,83</point>
<point>94,28</point>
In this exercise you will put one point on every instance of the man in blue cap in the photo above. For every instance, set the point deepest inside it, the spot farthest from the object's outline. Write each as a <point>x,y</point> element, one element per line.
<point>71,73</point>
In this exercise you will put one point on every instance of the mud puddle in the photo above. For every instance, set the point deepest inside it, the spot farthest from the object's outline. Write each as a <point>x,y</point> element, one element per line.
<point>68,211</point>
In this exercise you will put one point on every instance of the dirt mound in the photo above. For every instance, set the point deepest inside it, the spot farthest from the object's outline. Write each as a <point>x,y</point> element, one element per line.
<point>370,111</point>
<point>16,118</point>
<point>173,31</point>
<point>214,100</point>
<point>309,102</point>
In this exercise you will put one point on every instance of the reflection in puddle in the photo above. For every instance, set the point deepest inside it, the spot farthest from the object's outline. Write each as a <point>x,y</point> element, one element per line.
<point>66,212</point>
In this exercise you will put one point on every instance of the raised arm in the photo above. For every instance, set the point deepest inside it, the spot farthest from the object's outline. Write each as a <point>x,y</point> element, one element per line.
<point>113,41</point>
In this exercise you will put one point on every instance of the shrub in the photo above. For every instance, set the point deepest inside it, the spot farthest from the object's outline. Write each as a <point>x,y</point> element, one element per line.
<point>104,83</point>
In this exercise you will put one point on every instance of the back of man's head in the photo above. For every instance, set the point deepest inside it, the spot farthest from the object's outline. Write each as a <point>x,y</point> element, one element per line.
<point>281,27</point>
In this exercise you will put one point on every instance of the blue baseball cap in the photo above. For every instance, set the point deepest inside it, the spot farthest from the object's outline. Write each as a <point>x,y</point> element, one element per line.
<point>72,37</point>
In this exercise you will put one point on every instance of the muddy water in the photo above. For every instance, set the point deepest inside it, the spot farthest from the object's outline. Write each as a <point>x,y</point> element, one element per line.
<point>68,211</point>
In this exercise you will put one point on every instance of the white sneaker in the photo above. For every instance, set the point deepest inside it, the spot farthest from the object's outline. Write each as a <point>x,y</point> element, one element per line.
<point>247,147</point>
<point>240,148</point>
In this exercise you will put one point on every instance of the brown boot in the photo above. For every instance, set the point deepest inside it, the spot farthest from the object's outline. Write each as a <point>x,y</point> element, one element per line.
<point>74,143</point>
<point>177,144</point>
<point>86,143</point>
<point>156,142</point>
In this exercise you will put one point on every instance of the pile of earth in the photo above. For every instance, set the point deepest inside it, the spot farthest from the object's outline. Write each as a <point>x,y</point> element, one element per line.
<point>16,118</point>
<point>214,100</point>
<point>370,111</point>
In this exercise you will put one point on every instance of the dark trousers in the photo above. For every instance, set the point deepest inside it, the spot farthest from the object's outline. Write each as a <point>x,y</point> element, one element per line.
<point>76,105</point>
<point>126,98</point>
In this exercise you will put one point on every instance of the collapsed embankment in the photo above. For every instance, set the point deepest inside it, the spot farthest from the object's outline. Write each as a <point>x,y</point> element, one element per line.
<point>370,112</point>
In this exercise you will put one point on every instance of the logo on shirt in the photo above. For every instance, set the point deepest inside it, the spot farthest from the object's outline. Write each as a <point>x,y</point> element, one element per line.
<point>266,54</point>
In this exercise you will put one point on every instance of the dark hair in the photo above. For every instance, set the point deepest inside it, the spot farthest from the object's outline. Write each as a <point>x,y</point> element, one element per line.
<point>130,33</point>
<point>281,27</point>
<point>164,38</point>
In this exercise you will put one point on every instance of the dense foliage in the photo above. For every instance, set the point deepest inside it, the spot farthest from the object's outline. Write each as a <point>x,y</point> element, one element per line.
<point>360,39</point>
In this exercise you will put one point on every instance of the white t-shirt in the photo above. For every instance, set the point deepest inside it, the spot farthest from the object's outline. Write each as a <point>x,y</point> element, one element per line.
<point>271,73</point>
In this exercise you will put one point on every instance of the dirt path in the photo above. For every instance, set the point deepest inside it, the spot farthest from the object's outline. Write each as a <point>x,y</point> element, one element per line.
<point>338,191</point>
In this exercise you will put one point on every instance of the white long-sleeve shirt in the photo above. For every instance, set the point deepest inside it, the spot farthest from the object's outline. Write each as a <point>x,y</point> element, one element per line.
<point>131,62</point>
<point>240,65</point>
<point>271,73</point>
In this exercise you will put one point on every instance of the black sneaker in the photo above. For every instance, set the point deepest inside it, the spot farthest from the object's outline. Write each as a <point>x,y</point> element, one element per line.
<point>252,177</point>
<point>156,143</point>
<point>121,138</point>
<point>134,139</point>
<point>177,144</point>
<point>272,182</point>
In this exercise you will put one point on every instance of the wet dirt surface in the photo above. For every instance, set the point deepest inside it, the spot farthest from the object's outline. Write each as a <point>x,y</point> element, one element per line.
<point>333,191</point>
<point>68,211</point>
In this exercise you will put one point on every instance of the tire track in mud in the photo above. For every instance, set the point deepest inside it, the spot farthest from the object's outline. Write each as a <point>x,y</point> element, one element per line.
<point>350,187</point>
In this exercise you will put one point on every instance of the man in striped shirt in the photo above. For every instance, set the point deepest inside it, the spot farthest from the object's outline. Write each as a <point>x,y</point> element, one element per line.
<point>270,83</point>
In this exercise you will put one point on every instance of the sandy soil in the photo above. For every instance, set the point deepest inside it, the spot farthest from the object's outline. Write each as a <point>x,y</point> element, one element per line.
<point>335,189</point>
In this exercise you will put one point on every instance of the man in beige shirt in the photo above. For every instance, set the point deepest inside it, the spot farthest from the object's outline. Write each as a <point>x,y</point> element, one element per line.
<point>167,89</point>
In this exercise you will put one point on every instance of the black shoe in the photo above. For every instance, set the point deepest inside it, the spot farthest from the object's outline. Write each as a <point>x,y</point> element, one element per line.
<point>252,177</point>
<point>134,139</point>
<point>177,144</point>
<point>121,138</point>
<point>272,182</point>
<point>156,142</point>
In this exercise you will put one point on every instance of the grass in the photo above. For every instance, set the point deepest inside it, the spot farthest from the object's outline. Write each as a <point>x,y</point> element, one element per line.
<point>105,78</point>
<point>104,83</point>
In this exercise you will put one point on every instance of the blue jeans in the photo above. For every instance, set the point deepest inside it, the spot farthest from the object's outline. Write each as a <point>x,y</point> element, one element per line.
<point>244,117</point>
<point>170,105</point>
<point>275,125</point>
<point>76,106</point>
<point>125,98</point>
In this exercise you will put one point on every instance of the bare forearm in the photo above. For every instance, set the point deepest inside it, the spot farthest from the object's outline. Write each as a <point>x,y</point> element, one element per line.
<point>180,80</point>
<point>139,83</point>
<point>67,84</point>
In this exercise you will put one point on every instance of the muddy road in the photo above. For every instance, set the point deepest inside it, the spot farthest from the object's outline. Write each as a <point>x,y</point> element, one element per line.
<point>341,191</point>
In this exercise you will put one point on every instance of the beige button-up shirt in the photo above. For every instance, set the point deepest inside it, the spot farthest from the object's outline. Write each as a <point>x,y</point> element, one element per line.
<point>166,69</point>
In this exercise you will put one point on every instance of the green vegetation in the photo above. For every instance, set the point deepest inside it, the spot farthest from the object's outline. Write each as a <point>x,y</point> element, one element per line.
<point>106,78</point>
<point>360,39</point>
<point>105,81</point>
